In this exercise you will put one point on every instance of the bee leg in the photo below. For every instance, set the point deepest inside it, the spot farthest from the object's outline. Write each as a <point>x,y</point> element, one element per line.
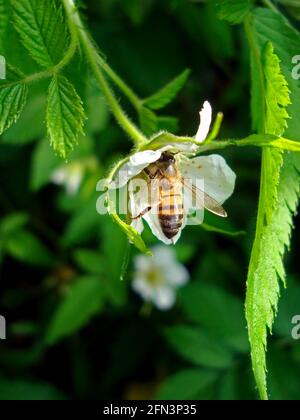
<point>142,213</point>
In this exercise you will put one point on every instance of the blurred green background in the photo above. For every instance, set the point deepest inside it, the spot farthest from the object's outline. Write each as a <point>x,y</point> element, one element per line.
<point>74,330</point>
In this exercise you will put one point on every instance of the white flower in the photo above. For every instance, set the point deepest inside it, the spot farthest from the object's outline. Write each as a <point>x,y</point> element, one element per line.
<point>218,181</point>
<point>69,176</point>
<point>157,278</point>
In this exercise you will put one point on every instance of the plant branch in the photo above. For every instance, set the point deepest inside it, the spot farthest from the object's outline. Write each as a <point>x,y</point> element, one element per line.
<point>270,5</point>
<point>256,140</point>
<point>128,92</point>
<point>96,65</point>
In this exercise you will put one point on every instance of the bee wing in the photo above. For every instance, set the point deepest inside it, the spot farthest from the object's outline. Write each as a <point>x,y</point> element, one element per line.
<point>203,200</point>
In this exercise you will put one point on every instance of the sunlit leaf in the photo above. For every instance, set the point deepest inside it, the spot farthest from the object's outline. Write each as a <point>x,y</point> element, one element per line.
<point>65,116</point>
<point>164,96</point>
<point>13,96</point>
<point>42,29</point>
<point>279,188</point>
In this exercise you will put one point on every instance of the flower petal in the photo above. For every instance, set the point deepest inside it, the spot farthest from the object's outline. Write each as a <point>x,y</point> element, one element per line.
<point>153,221</point>
<point>142,287</point>
<point>163,256</point>
<point>134,166</point>
<point>219,179</point>
<point>177,274</point>
<point>165,260</point>
<point>164,297</point>
<point>142,263</point>
<point>205,122</point>
<point>73,182</point>
<point>137,206</point>
<point>59,176</point>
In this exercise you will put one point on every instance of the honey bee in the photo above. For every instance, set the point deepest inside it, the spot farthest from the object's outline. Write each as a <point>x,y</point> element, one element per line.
<point>167,176</point>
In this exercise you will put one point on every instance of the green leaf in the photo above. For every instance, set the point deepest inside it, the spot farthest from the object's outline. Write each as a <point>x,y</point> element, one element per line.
<point>89,261</point>
<point>266,265</point>
<point>136,10</point>
<point>24,131</point>
<point>65,116</point>
<point>113,238</point>
<point>13,96</point>
<point>27,248</point>
<point>84,300</point>
<point>186,384</point>
<point>83,224</point>
<point>269,26</point>
<point>42,29</point>
<point>221,315</point>
<point>12,223</point>
<point>234,11</point>
<point>22,390</point>
<point>276,91</point>
<point>166,95</point>
<point>44,161</point>
<point>166,123</point>
<point>198,347</point>
<point>280,178</point>
<point>148,121</point>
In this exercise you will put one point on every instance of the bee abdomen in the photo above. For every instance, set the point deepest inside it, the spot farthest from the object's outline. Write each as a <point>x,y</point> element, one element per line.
<point>171,224</point>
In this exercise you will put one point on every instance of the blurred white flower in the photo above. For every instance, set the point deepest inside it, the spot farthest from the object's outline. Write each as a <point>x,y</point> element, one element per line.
<point>70,175</point>
<point>216,176</point>
<point>157,278</point>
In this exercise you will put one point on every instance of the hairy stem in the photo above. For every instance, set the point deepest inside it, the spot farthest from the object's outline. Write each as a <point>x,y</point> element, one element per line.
<point>96,63</point>
<point>128,92</point>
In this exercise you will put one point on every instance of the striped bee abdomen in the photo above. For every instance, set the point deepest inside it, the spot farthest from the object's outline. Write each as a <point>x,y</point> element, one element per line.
<point>171,212</point>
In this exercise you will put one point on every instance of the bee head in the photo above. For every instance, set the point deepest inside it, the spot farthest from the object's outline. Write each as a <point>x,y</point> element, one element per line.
<point>167,157</point>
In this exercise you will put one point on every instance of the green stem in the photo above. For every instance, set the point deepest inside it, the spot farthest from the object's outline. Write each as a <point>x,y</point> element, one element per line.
<point>247,142</point>
<point>53,70</point>
<point>96,63</point>
<point>270,5</point>
<point>216,128</point>
<point>128,92</point>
